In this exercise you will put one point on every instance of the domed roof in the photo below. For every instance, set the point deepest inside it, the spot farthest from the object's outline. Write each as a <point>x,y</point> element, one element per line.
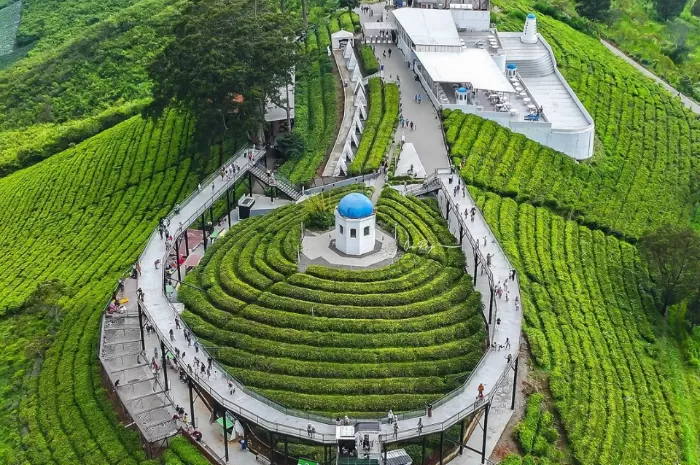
<point>512,66</point>
<point>531,16</point>
<point>355,205</point>
<point>462,90</point>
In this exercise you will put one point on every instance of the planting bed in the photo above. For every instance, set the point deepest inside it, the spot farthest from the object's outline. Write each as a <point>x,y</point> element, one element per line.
<point>332,340</point>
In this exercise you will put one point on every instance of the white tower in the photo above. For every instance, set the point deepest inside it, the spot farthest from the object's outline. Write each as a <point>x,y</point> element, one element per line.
<point>354,225</point>
<point>529,35</point>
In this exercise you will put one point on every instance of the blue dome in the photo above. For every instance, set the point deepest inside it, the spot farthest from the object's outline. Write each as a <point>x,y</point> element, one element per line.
<point>512,66</point>
<point>462,90</point>
<point>531,16</point>
<point>355,205</point>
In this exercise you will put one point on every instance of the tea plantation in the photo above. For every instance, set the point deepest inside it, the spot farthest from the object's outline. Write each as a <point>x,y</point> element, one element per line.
<point>338,341</point>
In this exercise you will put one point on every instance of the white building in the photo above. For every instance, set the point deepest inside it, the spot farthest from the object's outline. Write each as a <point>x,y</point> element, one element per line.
<point>507,77</point>
<point>355,225</point>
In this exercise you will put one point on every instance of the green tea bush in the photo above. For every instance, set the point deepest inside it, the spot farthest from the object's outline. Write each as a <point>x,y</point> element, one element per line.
<point>406,332</point>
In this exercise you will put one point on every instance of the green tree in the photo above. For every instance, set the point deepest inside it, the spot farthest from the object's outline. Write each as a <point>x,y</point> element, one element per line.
<point>667,9</point>
<point>228,60</point>
<point>695,9</point>
<point>672,254</point>
<point>349,4</point>
<point>596,10</point>
<point>291,145</point>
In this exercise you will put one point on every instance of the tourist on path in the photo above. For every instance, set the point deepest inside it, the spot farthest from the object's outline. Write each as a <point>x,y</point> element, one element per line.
<point>172,335</point>
<point>396,429</point>
<point>481,390</point>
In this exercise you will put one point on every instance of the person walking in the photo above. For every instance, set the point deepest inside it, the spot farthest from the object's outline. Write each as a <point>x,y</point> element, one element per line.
<point>488,259</point>
<point>390,415</point>
<point>155,352</point>
<point>177,323</point>
<point>172,335</point>
<point>481,390</point>
<point>396,430</point>
<point>507,345</point>
<point>498,324</point>
<point>389,53</point>
<point>420,425</point>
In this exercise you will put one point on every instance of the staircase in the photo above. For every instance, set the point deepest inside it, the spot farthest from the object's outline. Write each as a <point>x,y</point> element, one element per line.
<point>430,184</point>
<point>534,67</point>
<point>275,181</point>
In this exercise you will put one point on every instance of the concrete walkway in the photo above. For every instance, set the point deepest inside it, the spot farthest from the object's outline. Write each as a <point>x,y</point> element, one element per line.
<point>495,361</point>
<point>348,112</point>
<point>427,138</point>
<point>686,101</point>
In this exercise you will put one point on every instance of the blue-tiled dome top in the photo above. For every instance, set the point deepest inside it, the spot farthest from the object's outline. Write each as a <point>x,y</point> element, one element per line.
<point>462,90</point>
<point>355,205</point>
<point>512,66</point>
<point>531,16</point>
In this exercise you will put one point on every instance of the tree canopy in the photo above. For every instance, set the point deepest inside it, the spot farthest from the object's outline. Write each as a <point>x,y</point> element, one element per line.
<point>593,9</point>
<point>227,61</point>
<point>673,257</point>
<point>668,9</point>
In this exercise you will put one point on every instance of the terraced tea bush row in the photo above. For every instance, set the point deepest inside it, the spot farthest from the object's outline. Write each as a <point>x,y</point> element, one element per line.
<point>414,328</point>
<point>593,327</point>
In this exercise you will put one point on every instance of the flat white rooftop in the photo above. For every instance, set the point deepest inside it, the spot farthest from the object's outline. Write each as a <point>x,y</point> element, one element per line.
<point>548,89</point>
<point>472,65</point>
<point>428,26</point>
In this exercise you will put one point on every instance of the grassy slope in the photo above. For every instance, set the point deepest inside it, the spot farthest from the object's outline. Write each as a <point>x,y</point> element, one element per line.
<point>107,192</point>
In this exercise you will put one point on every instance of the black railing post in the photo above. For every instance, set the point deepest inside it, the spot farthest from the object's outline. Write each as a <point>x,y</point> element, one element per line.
<point>250,183</point>
<point>165,366</point>
<point>515,384</point>
<point>143,340</point>
<point>442,445</point>
<point>491,305</point>
<point>486,425</point>
<point>189,387</point>
<point>204,230</point>
<point>461,233</point>
<point>272,447</point>
<point>461,437</point>
<point>187,244</point>
<point>177,258</point>
<point>211,213</point>
<point>286,452</point>
<point>384,452</point>
<point>423,453</point>
<point>476,265</point>
<point>225,437</point>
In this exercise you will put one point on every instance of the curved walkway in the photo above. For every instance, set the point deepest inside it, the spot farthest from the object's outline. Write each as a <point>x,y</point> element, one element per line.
<point>686,101</point>
<point>492,371</point>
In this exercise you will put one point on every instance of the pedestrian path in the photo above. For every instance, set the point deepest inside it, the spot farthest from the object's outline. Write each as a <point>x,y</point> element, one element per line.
<point>686,101</point>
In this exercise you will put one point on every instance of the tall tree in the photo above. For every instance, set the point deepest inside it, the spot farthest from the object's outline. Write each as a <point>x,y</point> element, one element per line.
<point>668,9</point>
<point>349,4</point>
<point>672,254</point>
<point>228,60</point>
<point>595,10</point>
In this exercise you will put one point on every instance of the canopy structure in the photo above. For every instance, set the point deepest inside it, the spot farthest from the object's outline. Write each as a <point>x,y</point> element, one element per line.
<point>474,66</point>
<point>428,26</point>
<point>193,260</point>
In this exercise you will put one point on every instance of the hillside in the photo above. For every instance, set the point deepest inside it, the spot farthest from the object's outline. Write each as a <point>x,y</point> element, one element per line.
<point>80,217</point>
<point>645,170</point>
<point>615,372</point>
